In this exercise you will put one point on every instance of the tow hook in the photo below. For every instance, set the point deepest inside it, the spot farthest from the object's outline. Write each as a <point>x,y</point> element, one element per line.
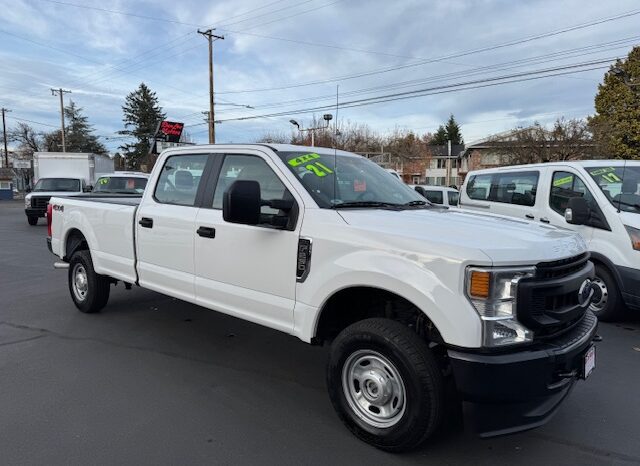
<point>60,265</point>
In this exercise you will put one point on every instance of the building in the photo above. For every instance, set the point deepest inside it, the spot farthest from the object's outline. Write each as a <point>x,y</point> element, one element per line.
<point>443,168</point>
<point>6,184</point>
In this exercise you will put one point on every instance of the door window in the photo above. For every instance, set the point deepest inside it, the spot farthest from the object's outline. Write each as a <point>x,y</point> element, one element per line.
<point>564,186</point>
<point>179,180</point>
<point>479,187</point>
<point>517,188</point>
<point>250,167</point>
<point>434,196</point>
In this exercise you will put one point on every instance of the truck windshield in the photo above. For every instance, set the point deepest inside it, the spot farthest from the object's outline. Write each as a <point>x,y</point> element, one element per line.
<point>620,185</point>
<point>120,185</point>
<point>58,184</point>
<point>356,182</point>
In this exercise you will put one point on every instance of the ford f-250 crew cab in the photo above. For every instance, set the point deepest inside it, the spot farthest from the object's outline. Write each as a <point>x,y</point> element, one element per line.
<point>422,304</point>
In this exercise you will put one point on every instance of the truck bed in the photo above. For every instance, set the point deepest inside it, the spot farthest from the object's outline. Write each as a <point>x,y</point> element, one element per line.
<point>106,223</point>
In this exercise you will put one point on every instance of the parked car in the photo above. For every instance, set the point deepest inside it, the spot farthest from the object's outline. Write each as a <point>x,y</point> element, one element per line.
<point>422,306</point>
<point>439,195</point>
<point>122,183</point>
<point>605,195</point>
<point>393,173</point>
<point>62,173</point>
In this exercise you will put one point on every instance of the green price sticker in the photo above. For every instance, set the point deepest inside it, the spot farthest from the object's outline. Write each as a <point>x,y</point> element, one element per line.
<point>317,168</point>
<point>563,181</point>
<point>303,159</point>
<point>103,180</point>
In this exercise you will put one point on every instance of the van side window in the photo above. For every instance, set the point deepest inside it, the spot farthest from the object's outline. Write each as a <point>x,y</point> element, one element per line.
<point>565,186</point>
<point>510,188</point>
<point>479,186</point>
<point>434,196</point>
<point>179,180</point>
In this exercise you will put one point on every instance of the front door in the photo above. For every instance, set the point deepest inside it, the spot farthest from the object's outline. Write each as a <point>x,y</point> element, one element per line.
<point>165,228</point>
<point>247,270</point>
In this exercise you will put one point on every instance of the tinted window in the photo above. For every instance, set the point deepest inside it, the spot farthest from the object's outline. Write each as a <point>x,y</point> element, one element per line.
<point>510,188</point>
<point>120,185</point>
<point>453,197</point>
<point>434,196</point>
<point>565,186</point>
<point>179,179</point>
<point>58,184</point>
<point>249,167</point>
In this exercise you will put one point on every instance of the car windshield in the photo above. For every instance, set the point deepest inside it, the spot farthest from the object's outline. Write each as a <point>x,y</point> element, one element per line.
<point>620,185</point>
<point>58,184</point>
<point>356,182</point>
<point>453,197</point>
<point>120,185</point>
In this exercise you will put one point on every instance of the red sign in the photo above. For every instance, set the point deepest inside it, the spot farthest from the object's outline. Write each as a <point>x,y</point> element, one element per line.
<point>170,131</point>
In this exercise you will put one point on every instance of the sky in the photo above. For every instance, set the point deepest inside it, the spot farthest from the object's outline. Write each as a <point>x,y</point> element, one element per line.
<point>288,59</point>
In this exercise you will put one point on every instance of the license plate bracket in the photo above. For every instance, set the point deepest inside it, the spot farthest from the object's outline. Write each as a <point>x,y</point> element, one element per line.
<point>588,362</point>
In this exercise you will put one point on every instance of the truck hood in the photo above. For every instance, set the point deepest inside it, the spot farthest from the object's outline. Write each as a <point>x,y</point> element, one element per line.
<point>505,240</point>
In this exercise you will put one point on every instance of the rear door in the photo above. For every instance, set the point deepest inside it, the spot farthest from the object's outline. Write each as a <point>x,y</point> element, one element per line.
<point>165,227</point>
<point>247,270</point>
<point>513,193</point>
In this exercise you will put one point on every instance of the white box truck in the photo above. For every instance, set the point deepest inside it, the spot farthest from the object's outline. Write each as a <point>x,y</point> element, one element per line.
<point>61,173</point>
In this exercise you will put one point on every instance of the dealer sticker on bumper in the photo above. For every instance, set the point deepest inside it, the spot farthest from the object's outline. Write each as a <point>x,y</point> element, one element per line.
<point>589,361</point>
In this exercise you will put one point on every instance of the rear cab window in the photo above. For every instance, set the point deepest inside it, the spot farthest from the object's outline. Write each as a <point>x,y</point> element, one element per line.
<point>179,179</point>
<point>518,187</point>
<point>435,197</point>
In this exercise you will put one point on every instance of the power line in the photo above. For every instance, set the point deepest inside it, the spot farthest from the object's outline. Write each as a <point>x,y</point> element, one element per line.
<point>467,85</point>
<point>438,59</point>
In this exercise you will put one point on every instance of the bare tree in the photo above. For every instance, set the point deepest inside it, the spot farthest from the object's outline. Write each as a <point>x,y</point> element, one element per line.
<point>28,139</point>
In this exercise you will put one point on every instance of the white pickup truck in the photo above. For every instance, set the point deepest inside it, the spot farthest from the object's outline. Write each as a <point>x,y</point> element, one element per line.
<point>423,306</point>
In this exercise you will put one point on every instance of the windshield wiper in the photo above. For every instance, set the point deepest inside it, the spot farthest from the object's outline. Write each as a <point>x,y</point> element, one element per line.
<point>365,204</point>
<point>412,203</point>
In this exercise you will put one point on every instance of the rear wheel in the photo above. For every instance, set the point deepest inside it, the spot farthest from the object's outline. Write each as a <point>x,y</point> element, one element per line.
<point>33,220</point>
<point>607,302</point>
<point>89,291</point>
<point>385,384</point>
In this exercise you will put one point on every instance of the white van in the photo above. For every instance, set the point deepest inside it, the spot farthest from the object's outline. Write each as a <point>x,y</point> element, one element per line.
<point>600,201</point>
<point>440,195</point>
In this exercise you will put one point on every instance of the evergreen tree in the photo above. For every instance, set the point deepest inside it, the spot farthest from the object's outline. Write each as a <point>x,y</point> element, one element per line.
<point>78,133</point>
<point>616,124</point>
<point>448,132</point>
<point>141,117</point>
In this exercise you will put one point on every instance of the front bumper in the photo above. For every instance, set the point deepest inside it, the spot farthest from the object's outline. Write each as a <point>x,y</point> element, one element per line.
<point>630,286</point>
<point>36,211</point>
<point>510,392</point>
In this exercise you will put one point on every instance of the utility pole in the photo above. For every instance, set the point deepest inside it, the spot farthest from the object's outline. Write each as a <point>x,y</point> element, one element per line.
<point>449,162</point>
<point>211,37</point>
<point>61,93</point>
<point>4,134</point>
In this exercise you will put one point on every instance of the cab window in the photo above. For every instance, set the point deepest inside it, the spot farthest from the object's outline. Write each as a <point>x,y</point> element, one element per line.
<point>517,188</point>
<point>479,187</point>
<point>434,196</point>
<point>250,167</point>
<point>179,179</point>
<point>564,186</point>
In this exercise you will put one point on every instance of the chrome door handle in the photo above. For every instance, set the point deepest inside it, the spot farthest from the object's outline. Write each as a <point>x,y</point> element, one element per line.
<point>545,220</point>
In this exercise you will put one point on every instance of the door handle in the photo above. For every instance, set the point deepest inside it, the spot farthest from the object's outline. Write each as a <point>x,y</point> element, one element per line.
<point>206,232</point>
<point>529,216</point>
<point>545,220</point>
<point>146,222</point>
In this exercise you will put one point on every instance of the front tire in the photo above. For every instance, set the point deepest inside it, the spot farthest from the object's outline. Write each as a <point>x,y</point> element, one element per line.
<point>89,291</point>
<point>608,305</point>
<point>385,384</point>
<point>33,220</point>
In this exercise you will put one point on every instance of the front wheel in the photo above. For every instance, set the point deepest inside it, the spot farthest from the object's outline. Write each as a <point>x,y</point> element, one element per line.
<point>89,291</point>
<point>32,219</point>
<point>607,303</point>
<point>385,384</point>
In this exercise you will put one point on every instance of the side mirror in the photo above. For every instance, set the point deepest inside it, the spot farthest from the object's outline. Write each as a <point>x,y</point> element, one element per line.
<point>241,203</point>
<point>577,212</point>
<point>28,190</point>
<point>87,189</point>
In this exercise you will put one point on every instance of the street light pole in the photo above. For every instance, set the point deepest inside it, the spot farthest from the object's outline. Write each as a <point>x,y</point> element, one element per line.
<point>326,117</point>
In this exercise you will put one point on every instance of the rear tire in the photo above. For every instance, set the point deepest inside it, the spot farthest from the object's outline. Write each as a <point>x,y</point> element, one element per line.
<point>32,220</point>
<point>89,291</point>
<point>385,384</point>
<point>609,306</point>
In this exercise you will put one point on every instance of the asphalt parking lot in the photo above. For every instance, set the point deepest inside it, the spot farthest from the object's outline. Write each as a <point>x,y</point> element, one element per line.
<point>152,380</point>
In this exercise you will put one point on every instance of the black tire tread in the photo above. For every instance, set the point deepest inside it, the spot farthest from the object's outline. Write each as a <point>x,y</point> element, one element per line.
<point>423,363</point>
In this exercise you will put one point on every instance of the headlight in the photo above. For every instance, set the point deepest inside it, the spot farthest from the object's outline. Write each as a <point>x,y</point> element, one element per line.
<point>634,234</point>
<point>493,293</point>
<point>27,202</point>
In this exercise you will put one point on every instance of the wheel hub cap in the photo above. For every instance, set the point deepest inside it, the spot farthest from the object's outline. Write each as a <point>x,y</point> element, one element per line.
<point>373,388</point>
<point>80,282</point>
<point>601,297</point>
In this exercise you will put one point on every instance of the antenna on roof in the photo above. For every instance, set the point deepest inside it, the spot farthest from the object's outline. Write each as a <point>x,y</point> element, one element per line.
<point>335,149</point>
